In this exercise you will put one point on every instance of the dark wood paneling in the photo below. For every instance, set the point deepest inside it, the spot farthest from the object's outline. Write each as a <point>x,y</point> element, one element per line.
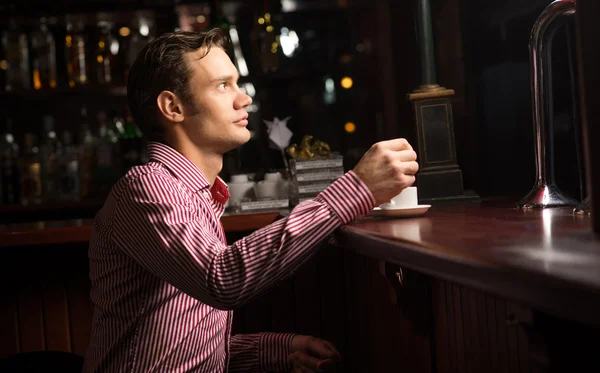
<point>471,332</point>
<point>56,315</point>
<point>355,289</point>
<point>282,309</point>
<point>588,39</point>
<point>333,302</point>
<point>307,301</point>
<point>441,327</point>
<point>338,295</point>
<point>80,306</point>
<point>30,307</point>
<point>9,313</point>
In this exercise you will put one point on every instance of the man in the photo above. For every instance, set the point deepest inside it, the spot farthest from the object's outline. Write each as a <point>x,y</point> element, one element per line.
<point>164,280</point>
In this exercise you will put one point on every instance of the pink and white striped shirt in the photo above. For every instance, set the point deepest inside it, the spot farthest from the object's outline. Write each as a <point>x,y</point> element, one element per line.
<point>164,280</point>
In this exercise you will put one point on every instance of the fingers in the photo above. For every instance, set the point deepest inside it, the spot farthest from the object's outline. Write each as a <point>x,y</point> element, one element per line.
<point>332,348</point>
<point>301,360</point>
<point>301,369</point>
<point>407,180</point>
<point>327,365</point>
<point>321,348</point>
<point>395,144</point>
<point>409,168</point>
<point>406,155</point>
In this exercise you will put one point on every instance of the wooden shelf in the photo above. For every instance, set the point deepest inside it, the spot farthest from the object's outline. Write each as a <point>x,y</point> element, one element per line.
<point>44,94</point>
<point>46,211</point>
<point>29,9</point>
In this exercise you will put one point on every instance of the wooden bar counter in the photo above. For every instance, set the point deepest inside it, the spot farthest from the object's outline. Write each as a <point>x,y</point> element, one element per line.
<point>492,287</point>
<point>546,258</point>
<point>468,287</point>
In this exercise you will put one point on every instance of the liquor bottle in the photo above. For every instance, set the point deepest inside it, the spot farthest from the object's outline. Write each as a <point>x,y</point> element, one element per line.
<point>140,35</point>
<point>50,152</point>
<point>69,169</point>
<point>217,17</point>
<point>87,162</point>
<point>132,143</point>
<point>16,52</point>
<point>75,49</point>
<point>103,55</point>
<point>30,171</point>
<point>106,156</point>
<point>43,53</point>
<point>9,166</point>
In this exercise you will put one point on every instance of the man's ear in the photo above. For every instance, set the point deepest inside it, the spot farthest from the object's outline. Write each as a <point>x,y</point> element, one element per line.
<point>170,107</point>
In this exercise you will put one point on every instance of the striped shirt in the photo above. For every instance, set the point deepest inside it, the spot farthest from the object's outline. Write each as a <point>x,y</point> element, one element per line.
<point>164,280</point>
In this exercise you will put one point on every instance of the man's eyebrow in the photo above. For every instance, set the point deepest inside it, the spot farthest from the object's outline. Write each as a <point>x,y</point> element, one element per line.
<point>224,78</point>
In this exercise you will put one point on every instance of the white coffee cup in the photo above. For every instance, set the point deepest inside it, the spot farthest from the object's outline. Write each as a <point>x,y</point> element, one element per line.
<point>272,176</point>
<point>266,189</point>
<point>240,187</point>
<point>241,178</point>
<point>406,199</point>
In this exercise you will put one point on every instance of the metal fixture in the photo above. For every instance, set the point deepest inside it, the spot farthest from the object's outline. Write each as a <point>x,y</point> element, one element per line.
<point>545,193</point>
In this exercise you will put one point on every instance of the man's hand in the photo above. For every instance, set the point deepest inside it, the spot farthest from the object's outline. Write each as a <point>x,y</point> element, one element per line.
<point>312,354</point>
<point>387,168</point>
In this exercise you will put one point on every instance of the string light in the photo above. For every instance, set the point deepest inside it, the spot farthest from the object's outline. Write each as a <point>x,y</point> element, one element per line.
<point>346,82</point>
<point>124,31</point>
<point>349,127</point>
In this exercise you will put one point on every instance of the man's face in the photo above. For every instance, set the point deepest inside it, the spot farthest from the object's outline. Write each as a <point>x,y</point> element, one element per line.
<point>217,120</point>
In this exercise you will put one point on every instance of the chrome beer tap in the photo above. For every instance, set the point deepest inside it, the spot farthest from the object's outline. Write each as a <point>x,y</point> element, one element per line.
<point>545,193</point>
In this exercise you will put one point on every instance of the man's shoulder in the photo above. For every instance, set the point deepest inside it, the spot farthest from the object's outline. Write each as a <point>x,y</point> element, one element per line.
<point>146,184</point>
<point>149,174</point>
<point>151,182</point>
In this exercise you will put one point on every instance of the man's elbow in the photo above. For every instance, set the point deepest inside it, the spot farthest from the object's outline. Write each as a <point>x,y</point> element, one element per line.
<point>225,303</point>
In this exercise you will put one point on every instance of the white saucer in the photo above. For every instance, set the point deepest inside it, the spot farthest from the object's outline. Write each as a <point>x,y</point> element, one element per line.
<point>403,212</point>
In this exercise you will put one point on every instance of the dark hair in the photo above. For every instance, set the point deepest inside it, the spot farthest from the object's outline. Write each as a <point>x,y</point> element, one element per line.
<point>161,66</point>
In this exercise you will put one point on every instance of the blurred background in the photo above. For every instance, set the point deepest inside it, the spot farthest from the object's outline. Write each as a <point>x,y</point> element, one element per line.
<point>341,69</point>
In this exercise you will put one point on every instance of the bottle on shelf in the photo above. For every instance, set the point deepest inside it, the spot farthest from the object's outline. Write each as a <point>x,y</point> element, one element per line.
<point>51,149</point>
<point>105,173</point>
<point>9,165</point>
<point>68,165</point>
<point>103,55</point>
<point>140,34</point>
<point>16,55</point>
<point>217,17</point>
<point>75,49</point>
<point>87,161</point>
<point>131,142</point>
<point>30,172</point>
<point>43,56</point>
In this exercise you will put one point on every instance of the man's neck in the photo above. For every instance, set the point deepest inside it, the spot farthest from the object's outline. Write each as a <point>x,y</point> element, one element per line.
<point>209,163</point>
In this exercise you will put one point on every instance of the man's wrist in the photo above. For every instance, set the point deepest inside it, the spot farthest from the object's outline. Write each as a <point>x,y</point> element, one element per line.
<point>274,350</point>
<point>349,197</point>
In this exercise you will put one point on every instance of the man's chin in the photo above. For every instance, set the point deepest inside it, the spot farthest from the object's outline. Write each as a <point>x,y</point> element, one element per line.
<point>241,140</point>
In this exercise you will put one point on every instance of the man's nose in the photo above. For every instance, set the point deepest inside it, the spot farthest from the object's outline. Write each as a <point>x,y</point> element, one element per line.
<point>243,100</point>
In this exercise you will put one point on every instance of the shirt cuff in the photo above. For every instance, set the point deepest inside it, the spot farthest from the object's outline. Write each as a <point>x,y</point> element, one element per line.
<point>274,351</point>
<point>349,197</point>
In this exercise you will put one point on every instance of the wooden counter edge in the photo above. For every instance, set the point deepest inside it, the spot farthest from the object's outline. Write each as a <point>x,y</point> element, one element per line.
<point>565,299</point>
<point>81,234</point>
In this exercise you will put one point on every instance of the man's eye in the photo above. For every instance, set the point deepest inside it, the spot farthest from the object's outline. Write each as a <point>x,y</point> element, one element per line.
<point>222,85</point>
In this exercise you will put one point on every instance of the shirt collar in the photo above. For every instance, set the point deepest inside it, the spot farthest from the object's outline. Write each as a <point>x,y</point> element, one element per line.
<point>186,171</point>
